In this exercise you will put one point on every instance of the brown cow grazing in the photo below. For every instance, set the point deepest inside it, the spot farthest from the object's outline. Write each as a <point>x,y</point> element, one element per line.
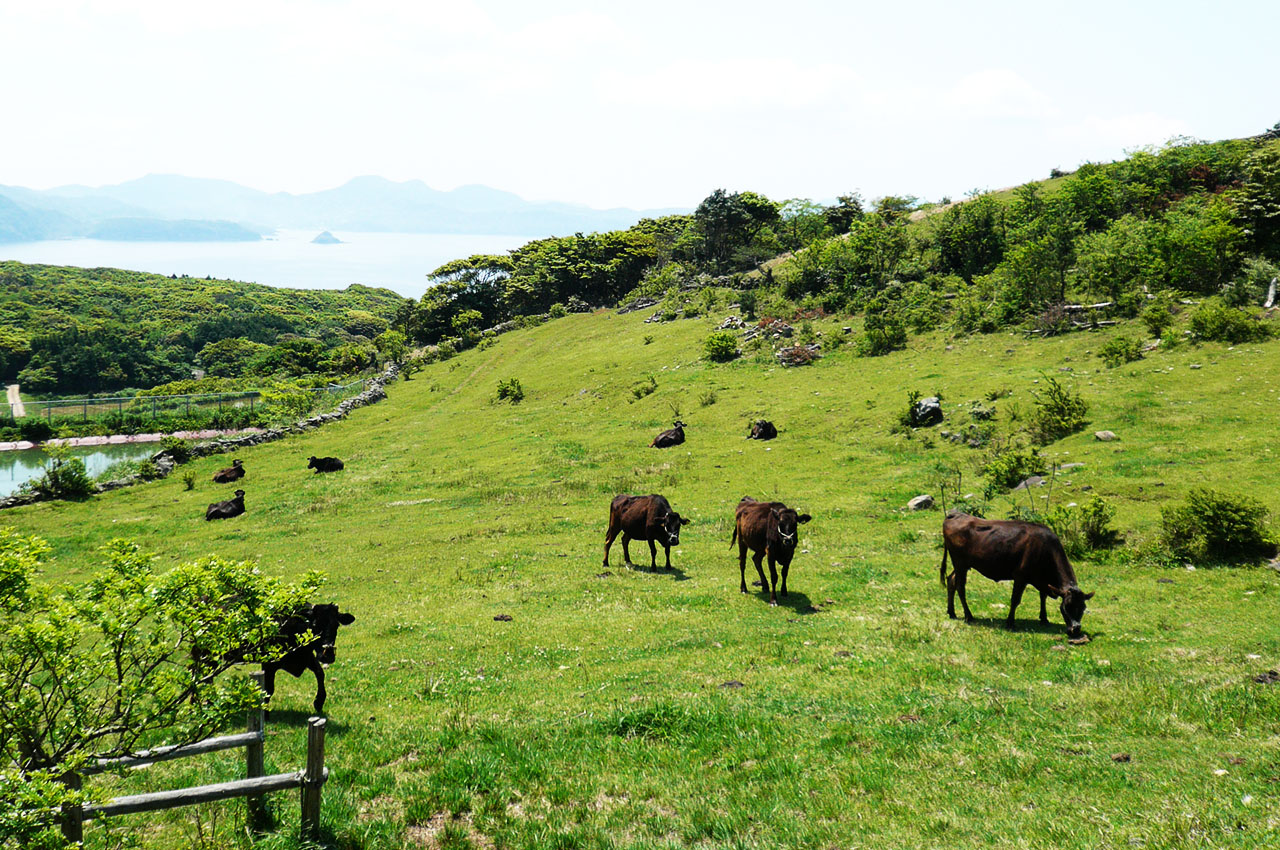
<point>643,518</point>
<point>1010,550</point>
<point>669,438</point>
<point>227,509</point>
<point>234,472</point>
<point>324,464</point>
<point>763,430</point>
<point>766,528</point>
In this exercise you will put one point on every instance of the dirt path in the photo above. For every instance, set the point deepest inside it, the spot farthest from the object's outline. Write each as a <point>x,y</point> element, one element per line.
<point>16,407</point>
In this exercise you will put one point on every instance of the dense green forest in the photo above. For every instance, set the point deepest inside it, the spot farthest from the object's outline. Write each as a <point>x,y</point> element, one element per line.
<point>1189,218</point>
<point>71,330</point>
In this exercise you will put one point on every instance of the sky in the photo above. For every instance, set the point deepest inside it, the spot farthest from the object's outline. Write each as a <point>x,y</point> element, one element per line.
<point>641,105</point>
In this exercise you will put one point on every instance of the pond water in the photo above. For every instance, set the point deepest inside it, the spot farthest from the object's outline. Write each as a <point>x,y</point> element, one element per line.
<point>18,467</point>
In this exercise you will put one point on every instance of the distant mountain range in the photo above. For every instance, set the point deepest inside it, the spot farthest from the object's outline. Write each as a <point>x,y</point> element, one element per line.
<point>171,208</point>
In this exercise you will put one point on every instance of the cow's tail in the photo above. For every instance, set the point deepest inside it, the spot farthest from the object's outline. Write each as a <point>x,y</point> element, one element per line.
<point>942,571</point>
<point>734,539</point>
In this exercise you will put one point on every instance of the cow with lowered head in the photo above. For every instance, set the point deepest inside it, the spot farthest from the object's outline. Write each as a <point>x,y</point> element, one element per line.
<point>768,529</point>
<point>307,640</point>
<point>763,430</point>
<point>673,436</point>
<point>324,464</point>
<point>643,518</point>
<point>227,509</point>
<point>1025,553</point>
<point>234,472</point>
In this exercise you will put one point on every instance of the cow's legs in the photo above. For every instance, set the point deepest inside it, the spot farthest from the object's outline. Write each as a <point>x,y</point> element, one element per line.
<point>653,556</point>
<point>317,668</point>
<point>1018,587</point>
<point>757,558</point>
<point>268,685</point>
<point>608,541</point>
<point>773,582</point>
<point>742,563</point>
<point>785,569</point>
<point>626,551</point>
<point>667,551</point>
<point>1044,618</point>
<point>956,584</point>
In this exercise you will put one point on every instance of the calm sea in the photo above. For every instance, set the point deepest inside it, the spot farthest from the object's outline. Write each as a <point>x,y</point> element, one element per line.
<point>397,261</point>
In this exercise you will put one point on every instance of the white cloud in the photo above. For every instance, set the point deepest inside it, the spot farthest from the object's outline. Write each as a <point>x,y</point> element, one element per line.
<point>708,85</point>
<point>999,93</point>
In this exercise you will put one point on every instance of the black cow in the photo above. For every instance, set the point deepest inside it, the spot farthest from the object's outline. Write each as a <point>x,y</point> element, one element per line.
<point>234,472</point>
<point>324,464</point>
<point>314,654</point>
<point>763,430</point>
<point>766,528</point>
<point>1025,553</point>
<point>227,509</point>
<point>643,518</point>
<point>669,438</point>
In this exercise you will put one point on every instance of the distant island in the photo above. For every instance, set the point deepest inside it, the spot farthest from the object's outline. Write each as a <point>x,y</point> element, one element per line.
<point>166,207</point>
<point>326,238</point>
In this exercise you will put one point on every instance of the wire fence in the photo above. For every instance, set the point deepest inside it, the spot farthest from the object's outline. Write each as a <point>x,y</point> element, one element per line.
<point>158,406</point>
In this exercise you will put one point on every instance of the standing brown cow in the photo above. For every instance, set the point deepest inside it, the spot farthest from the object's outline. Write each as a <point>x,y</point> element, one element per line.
<point>1010,550</point>
<point>643,518</point>
<point>767,528</point>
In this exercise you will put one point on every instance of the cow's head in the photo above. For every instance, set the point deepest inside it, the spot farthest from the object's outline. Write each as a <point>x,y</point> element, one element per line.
<point>311,464</point>
<point>677,424</point>
<point>671,527</point>
<point>324,623</point>
<point>787,522</point>
<point>239,494</point>
<point>1072,607</point>
<point>237,463</point>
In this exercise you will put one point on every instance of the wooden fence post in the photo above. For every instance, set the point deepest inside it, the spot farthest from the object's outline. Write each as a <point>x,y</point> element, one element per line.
<point>73,816</point>
<point>313,779</point>
<point>253,760</point>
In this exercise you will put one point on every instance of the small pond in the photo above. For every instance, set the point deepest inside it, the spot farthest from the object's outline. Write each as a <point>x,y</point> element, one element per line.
<point>18,467</point>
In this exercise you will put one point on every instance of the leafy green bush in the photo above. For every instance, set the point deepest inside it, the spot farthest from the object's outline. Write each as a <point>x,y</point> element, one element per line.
<point>1007,466</point>
<point>721,346</point>
<point>177,448</point>
<point>1158,318</point>
<point>1120,350</point>
<point>882,333</point>
<point>1214,320</point>
<point>747,300</point>
<point>510,390</point>
<point>1058,413</point>
<point>1217,526</point>
<point>644,388</point>
<point>1095,523</point>
<point>189,480</point>
<point>557,311</point>
<point>64,478</point>
<point>648,339</point>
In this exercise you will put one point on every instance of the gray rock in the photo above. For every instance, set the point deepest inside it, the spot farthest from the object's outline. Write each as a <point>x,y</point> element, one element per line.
<point>927,411</point>
<point>1105,436</point>
<point>1075,465</point>
<point>921,503</point>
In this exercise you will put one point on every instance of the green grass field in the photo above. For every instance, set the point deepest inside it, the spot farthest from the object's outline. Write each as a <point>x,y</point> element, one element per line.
<point>629,709</point>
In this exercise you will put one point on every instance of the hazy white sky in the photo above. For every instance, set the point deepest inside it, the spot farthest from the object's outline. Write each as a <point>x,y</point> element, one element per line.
<point>639,104</point>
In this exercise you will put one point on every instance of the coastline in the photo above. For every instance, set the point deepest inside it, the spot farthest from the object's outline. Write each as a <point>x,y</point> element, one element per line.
<point>123,439</point>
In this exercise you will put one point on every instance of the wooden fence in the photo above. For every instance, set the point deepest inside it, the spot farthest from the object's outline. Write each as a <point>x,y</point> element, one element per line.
<point>310,779</point>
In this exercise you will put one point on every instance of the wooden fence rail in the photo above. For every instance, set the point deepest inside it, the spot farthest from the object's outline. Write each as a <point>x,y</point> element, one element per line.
<point>311,779</point>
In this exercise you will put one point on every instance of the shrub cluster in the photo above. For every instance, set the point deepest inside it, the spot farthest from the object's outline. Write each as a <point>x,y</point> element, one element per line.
<point>510,390</point>
<point>1214,320</point>
<point>721,346</point>
<point>1217,526</point>
<point>1058,413</point>
<point>1120,350</point>
<point>1009,465</point>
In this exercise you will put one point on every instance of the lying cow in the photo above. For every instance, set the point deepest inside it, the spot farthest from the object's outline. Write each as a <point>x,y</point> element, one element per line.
<point>643,518</point>
<point>324,464</point>
<point>669,438</point>
<point>767,529</point>
<point>763,430</point>
<point>314,653</point>
<point>227,509</point>
<point>1010,550</point>
<point>234,472</point>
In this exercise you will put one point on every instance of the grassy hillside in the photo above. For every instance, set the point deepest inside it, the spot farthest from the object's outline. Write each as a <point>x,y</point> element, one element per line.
<point>621,708</point>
